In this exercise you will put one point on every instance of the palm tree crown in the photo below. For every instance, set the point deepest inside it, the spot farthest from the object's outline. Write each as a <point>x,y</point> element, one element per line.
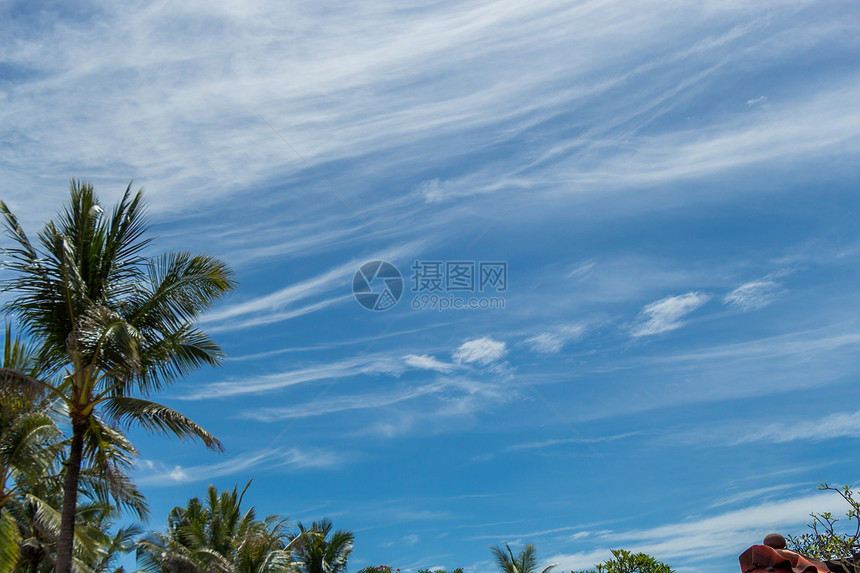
<point>525,562</point>
<point>110,322</point>
<point>217,537</point>
<point>320,553</point>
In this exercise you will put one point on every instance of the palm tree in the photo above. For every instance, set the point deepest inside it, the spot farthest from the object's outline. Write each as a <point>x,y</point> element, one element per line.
<point>320,553</point>
<point>29,439</point>
<point>31,451</point>
<point>28,436</point>
<point>525,562</point>
<point>109,323</point>
<point>39,527</point>
<point>218,538</point>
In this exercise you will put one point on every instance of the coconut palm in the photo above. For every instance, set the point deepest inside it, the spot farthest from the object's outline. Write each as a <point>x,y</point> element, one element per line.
<point>29,439</point>
<point>320,553</point>
<point>104,548</point>
<point>28,436</point>
<point>31,454</point>
<point>524,562</point>
<point>110,322</point>
<point>216,537</point>
<point>38,523</point>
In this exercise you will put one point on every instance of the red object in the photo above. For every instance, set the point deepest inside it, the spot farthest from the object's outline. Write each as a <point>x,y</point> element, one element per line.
<point>763,559</point>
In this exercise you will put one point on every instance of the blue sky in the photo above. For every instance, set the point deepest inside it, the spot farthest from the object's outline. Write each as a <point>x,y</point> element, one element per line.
<point>672,186</point>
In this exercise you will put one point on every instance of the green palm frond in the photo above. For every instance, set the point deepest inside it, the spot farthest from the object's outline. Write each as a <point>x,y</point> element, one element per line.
<point>179,289</point>
<point>157,418</point>
<point>112,486</point>
<point>104,337</point>
<point>110,457</point>
<point>215,535</point>
<point>30,441</point>
<point>124,242</point>
<point>525,562</point>
<point>320,553</point>
<point>108,323</point>
<point>19,372</point>
<point>175,355</point>
<point>121,542</point>
<point>9,538</point>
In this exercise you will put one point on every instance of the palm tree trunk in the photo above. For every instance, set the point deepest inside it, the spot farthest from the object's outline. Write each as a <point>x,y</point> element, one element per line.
<point>65,543</point>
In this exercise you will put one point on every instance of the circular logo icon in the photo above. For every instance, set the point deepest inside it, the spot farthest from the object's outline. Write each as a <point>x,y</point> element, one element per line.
<point>377,285</point>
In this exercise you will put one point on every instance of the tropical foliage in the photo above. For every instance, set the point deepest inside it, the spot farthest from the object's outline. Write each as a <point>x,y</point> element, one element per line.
<point>381,569</point>
<point>37,520</point>
<point>216,536</point>
<point>108,323</point>
<point>828,539</point>
<point>29,444</point>
<point>321,550</point>
<point>626,562</point>
<point>524,562</point>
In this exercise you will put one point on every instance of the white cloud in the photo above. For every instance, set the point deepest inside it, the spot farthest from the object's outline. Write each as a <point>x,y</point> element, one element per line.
<point>546,343</point>
<point>760,100</point>
<point>453,396</point>
<point>720,537</point>
<point>279,305</point>
<point>152,472</point>
<point>800,129</point>
<point>581,271</point>
<point>804,345</point>
<point>354,366</point>
<point>840,425</point>
<point>196,132</point>
<point>666,314</point>
<point>481,351</point>
<point>426,362</point>
<point>566,441</point>
<point>760,493</point>
<point>553,341</point>
<point>753,295</point>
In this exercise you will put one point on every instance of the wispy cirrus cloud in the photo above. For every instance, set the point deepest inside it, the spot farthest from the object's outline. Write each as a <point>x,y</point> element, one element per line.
<point>289,301</point>
<point>481,351</point>
<point>753,494</point>
<point>551,342</point>
<point>768,430</point>
<point>383,363</point>
<point>753,295</point>
<point>450,396</point>
<point>836,425</point>
<point>426,362</point>
<point>389,363</point>
<point>665,315</point>
<point>200,133</point>
<point>716,538</point>
<point>802,346</point>
<point>567,441</point>
<point>758,293</point>
<point>155,473</point>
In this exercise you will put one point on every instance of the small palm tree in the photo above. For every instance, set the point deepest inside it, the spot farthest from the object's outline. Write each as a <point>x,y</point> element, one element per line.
<point>29,440</point>
<point>38,522</point>
<point>320,553</point>
<point>28,436</point>
<point>109,323</point>
<point>525,562</point>
<point>217,537</point>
